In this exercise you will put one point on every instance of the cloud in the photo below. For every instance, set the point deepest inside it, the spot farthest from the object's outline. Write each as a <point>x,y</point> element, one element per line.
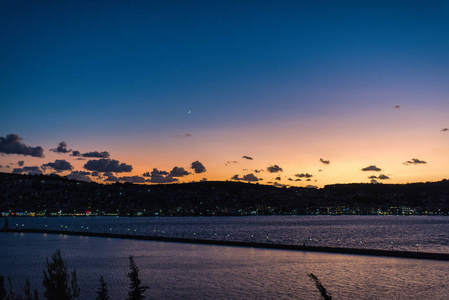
<point>79,175</point>
<point>11,144</point>
<point>132,179</point>
<point>155,173</point>
<point>396,106</point>
<point>308,179</point>
<point>383,177</point>
<point>159,176</point>
<point>178,172</point>
<point>372,168</point>
<point>278,184</point>
<point>302,175</point>
<point>75,153</point>
<point>21,163</point>
<point>247,177</point>
<point>183,136</point>
<point>414,161</point>
<point>247,157</point>
<point>374,181</point>
<point>28,170</point>
<point>198,167</point>
<point>274,169</point>
<point>162,179</point>
<point>95,174</point>
<point>278,178</point>
<point>59,165</point>
<point>203,180</point>
<point>326,162</point>
<point>104,154</point>
<point>372,177</point>
<point>107,165</point>
<point>111,178</point>
<point>62,148</point>
<point>444,129</point>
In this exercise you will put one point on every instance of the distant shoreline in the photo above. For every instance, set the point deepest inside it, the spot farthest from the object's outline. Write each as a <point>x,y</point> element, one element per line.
<point>357,251</point>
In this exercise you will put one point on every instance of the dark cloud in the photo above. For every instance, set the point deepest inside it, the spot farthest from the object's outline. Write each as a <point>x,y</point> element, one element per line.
<point>203,180</point>
<point>302,175</point>
<point>21,163</point>
<point>111,178</point>
<point>11,144</point>
<point>278,184</point>
<point>158,176</point>
<point>178,172</point>
<point>372,168</point>
<point>132,179</point>
<point>326,162</point>
<point>383,177</point>
<point>107,165</point>
<point>96,154</point>
<point>278,178</point>
<point>62,148</point>
<point>155,173</point>
<point>75,153</point>
<point>290,179</point>
<point>59,165</point>
<point>198,167</point>
<point>372,177</point>
<point>374,181</point>
<point>247,177</point>
<point>396,106</point>
<point>95,174</point>
<point>247,157</point>
<point>274,169</point>
<point>162,179</point>
<point>414,161</point>
<point>297,179</point>
<point>184,136</point>
<point>28,170</point>
<point>80,158</point>
<point>308,179</point>
<point>80,175</point>
<point>444,129</point>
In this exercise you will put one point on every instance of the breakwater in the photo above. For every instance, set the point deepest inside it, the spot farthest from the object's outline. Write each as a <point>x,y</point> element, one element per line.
<point>359,251</point>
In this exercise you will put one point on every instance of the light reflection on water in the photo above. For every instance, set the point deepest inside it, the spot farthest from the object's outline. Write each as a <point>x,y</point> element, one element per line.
<point>412,233</point>
<point>188,271</point>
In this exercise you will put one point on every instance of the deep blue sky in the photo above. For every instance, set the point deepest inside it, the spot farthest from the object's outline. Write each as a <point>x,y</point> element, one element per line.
<point>99,71</point>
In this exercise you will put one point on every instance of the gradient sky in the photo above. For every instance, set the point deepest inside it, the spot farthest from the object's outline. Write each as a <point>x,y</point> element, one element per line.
<point>161,84</point>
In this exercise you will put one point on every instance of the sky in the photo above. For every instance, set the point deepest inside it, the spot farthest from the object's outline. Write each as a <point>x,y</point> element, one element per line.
<point>287,93</point>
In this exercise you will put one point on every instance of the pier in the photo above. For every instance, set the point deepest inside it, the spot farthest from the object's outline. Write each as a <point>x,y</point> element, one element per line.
<point>375,252</point>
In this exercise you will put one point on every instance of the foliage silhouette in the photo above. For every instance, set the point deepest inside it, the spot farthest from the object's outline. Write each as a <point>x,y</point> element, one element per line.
<point>56,280</point>
<point>324,294</point>
<point>136,290</point>
<point>102,292</point>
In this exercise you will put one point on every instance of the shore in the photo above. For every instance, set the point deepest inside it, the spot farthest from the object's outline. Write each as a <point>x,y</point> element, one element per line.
<point>375,252</point>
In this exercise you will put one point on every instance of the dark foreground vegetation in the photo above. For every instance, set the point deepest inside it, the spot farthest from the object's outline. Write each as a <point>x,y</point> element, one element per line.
<point>60,285</point>
<point>52,195</point>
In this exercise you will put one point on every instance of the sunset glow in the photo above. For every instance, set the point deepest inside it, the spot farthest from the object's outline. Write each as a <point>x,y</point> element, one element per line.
<point>325,89</point>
